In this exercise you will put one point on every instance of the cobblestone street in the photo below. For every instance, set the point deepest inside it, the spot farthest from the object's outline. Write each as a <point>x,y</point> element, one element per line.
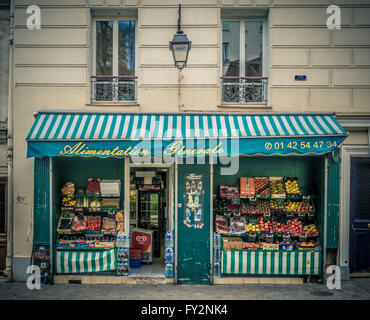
<point>355,289</point>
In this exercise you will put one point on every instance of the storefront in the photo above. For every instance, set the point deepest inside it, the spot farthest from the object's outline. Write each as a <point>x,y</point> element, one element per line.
<point>261,181</point>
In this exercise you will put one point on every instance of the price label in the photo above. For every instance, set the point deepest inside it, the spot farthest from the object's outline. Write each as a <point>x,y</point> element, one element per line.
<point>301,214</point>
<point>306,199</point>
<point>289,215</point>
<point>253,221</point>
<point>251,237</point>
<point>311,215</point>
<point>280,202</point>
<point>286,237</point>
<point>253,201</point>
<point>235,201</point>
<point>303,238</point>
<point>269,238</point>
<point>266,216</point>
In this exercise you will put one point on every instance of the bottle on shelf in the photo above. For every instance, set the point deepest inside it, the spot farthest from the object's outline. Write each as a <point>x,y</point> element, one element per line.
<point>169,239</point>
<point>126,240</point>
<point>216,240</point>
<point>216,255</point>
<point>216,270</point>
<point>169,270</point>
<point>168,256</point>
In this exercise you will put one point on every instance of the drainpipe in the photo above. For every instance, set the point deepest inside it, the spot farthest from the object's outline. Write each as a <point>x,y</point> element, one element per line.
<point>9,249</point>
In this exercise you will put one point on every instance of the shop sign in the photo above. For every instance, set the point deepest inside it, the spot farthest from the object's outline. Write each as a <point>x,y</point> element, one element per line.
<point>170,150</point>
<point>177,148</point>
<point>80,149</point>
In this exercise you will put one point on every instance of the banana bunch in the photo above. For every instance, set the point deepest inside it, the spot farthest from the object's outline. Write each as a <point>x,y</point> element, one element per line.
<point>68,201</point>
<point>310,228</point>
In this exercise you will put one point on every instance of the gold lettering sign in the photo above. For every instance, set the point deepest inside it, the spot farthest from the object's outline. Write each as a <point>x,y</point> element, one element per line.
<point>175,149</point>
<point>80,149</point>
<point>178,149</point>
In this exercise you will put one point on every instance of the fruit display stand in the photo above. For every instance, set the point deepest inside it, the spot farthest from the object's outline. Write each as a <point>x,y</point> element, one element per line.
<point>86,232</point>
<point>280,231</point>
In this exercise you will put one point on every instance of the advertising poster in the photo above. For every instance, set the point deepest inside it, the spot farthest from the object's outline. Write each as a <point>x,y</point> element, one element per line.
<point>193,211</point>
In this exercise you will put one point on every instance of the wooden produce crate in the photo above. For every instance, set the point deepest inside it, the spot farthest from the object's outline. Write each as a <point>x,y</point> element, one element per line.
<point>296,195</point>
<point>273,181</point>
<point>229,243</point>
<point>262,192</point>
<point>65,221</point>
<point>229,191</point>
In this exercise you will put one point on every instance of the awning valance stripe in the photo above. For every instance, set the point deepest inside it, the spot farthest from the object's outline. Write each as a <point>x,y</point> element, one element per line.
<point>50,126</point>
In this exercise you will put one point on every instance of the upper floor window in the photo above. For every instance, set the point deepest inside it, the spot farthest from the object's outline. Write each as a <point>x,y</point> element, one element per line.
<point>114,77</point>
<point>244,69</point>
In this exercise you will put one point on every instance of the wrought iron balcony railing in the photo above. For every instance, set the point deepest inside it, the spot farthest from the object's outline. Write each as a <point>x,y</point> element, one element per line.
<point>113,88</point>
<point>244,89</point>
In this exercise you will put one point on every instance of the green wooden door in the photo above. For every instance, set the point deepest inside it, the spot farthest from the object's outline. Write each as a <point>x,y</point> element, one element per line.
<point>41,216</point>
<point>193,226</point>
<point>332,231</point>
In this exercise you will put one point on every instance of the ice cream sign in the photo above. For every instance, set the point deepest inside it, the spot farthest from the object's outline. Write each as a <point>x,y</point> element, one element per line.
<point>141,240</point>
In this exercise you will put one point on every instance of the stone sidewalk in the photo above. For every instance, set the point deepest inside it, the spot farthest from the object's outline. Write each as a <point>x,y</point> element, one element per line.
<point>355,289</point>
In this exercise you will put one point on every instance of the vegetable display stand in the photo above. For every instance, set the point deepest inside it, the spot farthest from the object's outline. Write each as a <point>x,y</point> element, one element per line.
<point>85,260</point>
<point>271,262</point>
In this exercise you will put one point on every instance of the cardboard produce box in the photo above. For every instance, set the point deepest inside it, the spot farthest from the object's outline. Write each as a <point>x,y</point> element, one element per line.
<point>270,246</point>
<point>232,243</point>
<point>247,187</point>
<point>110,202</point>
<point>110,188</point>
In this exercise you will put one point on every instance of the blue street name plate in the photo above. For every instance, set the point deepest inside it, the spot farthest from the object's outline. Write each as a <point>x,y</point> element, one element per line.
<point>300,77</point>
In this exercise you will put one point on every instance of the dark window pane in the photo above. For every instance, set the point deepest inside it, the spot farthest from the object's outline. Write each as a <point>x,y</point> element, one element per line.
<point>104,48</point>
<point>231,58</point>
<point>253,48</point>
<point>126,48</point>
<point>2,208</point>
<point>363,192</point>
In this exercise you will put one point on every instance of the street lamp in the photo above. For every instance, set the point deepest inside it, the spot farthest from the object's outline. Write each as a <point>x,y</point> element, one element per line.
<point>180,45</point>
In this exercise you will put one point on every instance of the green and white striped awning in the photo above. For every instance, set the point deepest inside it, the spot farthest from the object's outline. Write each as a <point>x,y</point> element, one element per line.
<point>266,262</point>
<point>79,261</point>
<point>52,131</point>
<point>56,126</point>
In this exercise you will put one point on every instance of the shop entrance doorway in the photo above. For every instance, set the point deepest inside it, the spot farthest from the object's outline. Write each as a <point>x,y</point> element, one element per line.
<point>150,218</point>
<point>360,216</point>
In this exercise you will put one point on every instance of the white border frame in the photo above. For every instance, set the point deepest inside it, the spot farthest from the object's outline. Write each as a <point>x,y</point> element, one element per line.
<point>347,152</point>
